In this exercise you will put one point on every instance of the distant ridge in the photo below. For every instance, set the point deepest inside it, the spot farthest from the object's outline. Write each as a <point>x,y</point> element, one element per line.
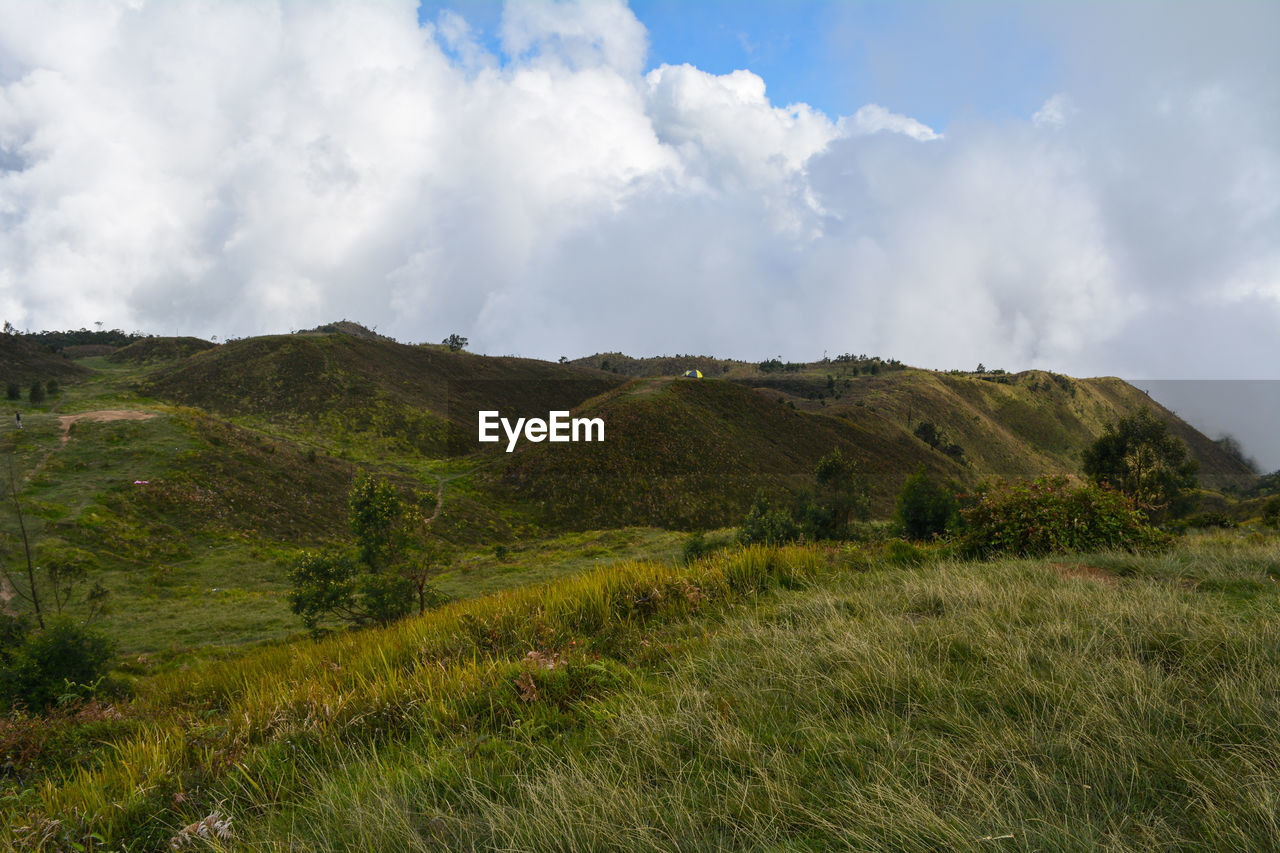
<point>345,327</point>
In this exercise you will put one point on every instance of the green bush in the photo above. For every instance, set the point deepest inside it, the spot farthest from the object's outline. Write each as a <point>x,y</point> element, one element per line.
<point>698,546</point>
<point>1271,512</point>
<point>925,509</point>
<point>1202,520</point>
<point>13,391</point>
<point>767,526</point>
<point>324,585</point>
<point>1053,515</point>
<point>63,659</point>
<point>900,553</point>
<point>36,394</point>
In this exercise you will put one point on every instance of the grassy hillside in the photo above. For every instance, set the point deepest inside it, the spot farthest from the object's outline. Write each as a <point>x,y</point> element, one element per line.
<point>25,361</point>
<point>419,399</point>
<point>792,699</point>
<point>248,450</point>
<point>691,453</point>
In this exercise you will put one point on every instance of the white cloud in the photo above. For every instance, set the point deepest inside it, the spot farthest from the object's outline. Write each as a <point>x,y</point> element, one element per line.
<point>1054,112</point>
<point>242,168</point>
<point>874,118</point>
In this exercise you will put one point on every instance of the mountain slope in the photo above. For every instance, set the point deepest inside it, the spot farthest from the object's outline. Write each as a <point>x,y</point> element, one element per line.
<point>691,453</point>
<point>24,361</point>
<point>422,398</point>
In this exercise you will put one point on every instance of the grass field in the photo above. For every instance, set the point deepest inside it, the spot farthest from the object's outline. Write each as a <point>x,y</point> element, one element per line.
<point>760,700</point>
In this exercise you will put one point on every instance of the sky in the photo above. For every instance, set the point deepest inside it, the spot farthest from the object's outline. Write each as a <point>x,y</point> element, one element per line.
<point>1091,188</point>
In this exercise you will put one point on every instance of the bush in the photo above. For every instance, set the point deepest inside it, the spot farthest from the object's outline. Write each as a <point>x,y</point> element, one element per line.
<point>928,433</point>
<point>52,387</point>
<point>698,546</point>
<point>1202,520</point>
<point>767,526</point>
<point>1271,512</point>
<point>36,394</point>
<point>324,584</point>
<point>900,553</point>
<point>1053,515</point>
<point>925,509</point>
<point>13,391</point>
<point>63,659</point>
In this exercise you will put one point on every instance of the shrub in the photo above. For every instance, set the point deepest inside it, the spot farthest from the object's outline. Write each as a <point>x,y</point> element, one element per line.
<point>1053,515</point>
<point>1205,520</point>
<point>52,387</point>
<point>36,394</point>
<point>767,526</point>
<point>64,658</point>
<point>924,509</point>
<point>928,433</point>
<point>1271,512</point>
<point>13,391</point>
<point>842,497</point>
<point>324,584</point>
<point>900,553</point>
<point>698,546</point>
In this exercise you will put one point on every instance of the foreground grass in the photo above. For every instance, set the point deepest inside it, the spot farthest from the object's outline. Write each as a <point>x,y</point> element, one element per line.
<point>1108,702</point>
<point>250,735</point>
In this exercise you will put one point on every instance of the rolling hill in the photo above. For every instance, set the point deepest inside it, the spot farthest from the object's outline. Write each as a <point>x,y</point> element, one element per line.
<point>416,398</point>
<point>691,453</point>
<point>24,361</point>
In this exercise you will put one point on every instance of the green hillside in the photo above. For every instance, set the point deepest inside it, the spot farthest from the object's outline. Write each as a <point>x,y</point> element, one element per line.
<point>691,453</point>
<point>24,361</point>
<point>247,450</point>
<point>419,399</point>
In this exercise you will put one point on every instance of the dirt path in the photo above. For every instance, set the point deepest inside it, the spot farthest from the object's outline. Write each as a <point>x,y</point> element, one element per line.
<point>101,416</point>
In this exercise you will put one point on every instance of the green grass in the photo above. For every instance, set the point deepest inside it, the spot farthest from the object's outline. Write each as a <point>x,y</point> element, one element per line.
<point>975,707</point>
<point>538,561</point>
<point>763,700</point>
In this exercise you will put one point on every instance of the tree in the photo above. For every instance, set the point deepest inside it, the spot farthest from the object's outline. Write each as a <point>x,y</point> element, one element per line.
<point>842,494</point>
<point>36,394</point>
<point>1139,457</point>
<point>13,391</point>
<point>928,433</point>
<point>924,508</point>
<point>455,342</point>
<point>376,581</point>
<point>376,518</point>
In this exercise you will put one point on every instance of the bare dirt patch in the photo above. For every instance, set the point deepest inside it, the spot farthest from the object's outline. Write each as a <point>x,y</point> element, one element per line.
<point>6,595</point>
<point>101,416</point>
<point>1085,572</point>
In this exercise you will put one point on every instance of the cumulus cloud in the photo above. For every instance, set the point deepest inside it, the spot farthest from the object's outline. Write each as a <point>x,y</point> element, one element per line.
<point>245,168</point>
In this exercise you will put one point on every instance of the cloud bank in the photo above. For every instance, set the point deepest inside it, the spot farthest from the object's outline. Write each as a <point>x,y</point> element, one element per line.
<point>240,168</point>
